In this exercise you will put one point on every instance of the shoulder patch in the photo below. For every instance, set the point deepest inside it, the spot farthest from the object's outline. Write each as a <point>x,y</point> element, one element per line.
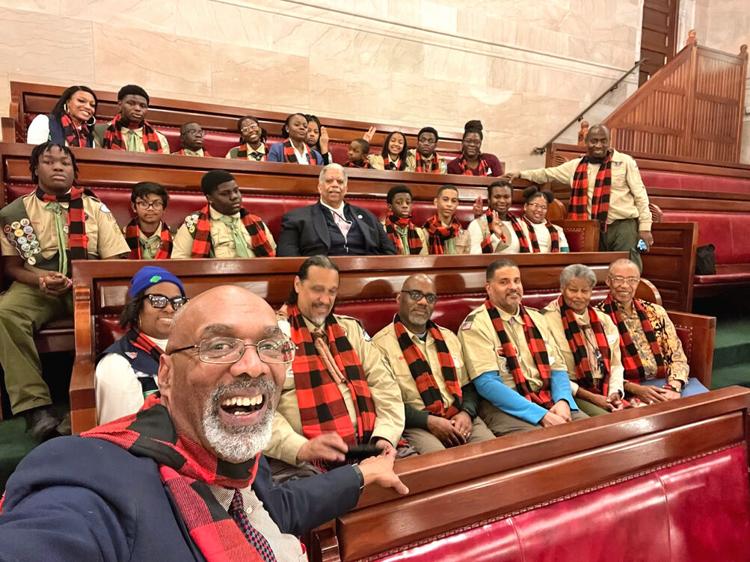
<point>358,321</point>
<point>467,323</point>
<point>104,208</point>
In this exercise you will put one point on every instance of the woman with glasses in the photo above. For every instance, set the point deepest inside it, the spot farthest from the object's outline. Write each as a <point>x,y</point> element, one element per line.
<point>126,372</point>
<point>544,237</point>
<point>252,141</point>
<point>147,235</point>
<point>474,162</point>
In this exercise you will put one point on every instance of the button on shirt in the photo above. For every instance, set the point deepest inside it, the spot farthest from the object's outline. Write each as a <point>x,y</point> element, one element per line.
<point>339,218</point>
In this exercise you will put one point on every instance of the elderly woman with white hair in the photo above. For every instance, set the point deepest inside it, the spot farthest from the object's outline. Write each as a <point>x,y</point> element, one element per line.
<point>589,343</point>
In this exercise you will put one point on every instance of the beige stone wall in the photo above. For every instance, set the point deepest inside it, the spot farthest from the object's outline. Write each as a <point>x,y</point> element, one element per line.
<point>524,67</point>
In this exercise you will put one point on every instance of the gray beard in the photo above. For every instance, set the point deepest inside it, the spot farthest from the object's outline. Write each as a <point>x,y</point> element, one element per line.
<point>240,444</point>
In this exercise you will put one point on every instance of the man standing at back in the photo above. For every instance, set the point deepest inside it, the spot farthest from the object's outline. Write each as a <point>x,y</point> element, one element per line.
<point>332,227</point>
<point>605,186</point>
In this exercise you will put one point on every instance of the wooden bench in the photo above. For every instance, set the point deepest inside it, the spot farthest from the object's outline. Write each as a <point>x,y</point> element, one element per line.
<point>367,291</point>
<point>664,483</point>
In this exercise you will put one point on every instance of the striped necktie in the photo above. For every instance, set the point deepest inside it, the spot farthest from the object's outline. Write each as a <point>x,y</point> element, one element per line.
<point>254,537</point>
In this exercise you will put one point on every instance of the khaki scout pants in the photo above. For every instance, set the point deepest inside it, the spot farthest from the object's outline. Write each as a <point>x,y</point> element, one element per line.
<point>425,442</point>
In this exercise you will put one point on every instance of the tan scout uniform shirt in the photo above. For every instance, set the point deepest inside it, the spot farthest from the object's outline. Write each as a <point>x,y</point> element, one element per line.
<point>287,438</point>
<point>222,240</point>
<point>187,152</point>
<point>411,161</point>
<point>628,198</point>
<point>387,341</point>
<point>405,240</point>
<point>133,140</point>
<point>481,345</point>
<point>478,230</point>
<point>105,240</point>
<point>554,321</point>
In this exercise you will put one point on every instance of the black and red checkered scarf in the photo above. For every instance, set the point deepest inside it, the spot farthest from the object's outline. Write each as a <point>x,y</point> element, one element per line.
<point>438,234</point>
<point>398,165</point>
<point>321,406</point>
<point>133,238</point>
<point>113,136</point>
<point>577,344</point>
<point>187,470</point>
<point>543,396</point>
<point>182,152</point>
<point>364,164</point>
<point>579,195</point>
<point>482,169</point>
<point>78,242</point>
<point>141,341</point>
<point>244,153</point>
<point>291,156</point>
<point>392,223</point>
<point>74,136</point>
<point>259,243</point>
<point>523,242</point>
<point>631,361</point>
<point>431,166</point>
<point>553,234</point>
<point>422,374</point>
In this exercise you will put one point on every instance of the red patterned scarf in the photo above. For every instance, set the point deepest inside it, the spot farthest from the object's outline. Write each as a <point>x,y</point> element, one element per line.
<point>543,396</point>
<point>523,243</point>
<point>579,196</point>
<point>321,406</point>
<point>363,164</point>
<point>431,166</point>
<point>244,153</point>
<point>631,361</point>
<point>553,234</point>
<point>133,238</point>
<point>143,342</point>
<point>182,152</point>
<point>392,223</point>
<point>113,136</point>
<point>397,165</point>
<point>74,136</point>
<point>259,243</point>
<point>422,374</point>
<point>577,344</point>
<point>482,169</point>
<point>187,470</point>
<point>438,234</point>
<point>78,242</point>
<point>291,156</point>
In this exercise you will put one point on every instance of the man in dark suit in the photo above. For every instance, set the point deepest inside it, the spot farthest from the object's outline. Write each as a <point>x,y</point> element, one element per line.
<point>183,479</point>
<point>332,227</point>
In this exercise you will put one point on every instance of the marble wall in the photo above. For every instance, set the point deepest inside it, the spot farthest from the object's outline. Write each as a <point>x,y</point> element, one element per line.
<point>525,67</point>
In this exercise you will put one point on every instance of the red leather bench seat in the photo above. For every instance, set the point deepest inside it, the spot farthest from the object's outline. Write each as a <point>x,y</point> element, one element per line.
<point>700,182</point>
<point>694,511</point>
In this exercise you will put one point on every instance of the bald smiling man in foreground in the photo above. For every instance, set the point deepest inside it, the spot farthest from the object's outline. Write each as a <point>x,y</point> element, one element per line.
<point>183,479</point>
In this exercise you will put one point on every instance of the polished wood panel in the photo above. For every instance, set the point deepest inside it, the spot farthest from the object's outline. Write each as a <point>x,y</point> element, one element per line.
<point>658,36</point>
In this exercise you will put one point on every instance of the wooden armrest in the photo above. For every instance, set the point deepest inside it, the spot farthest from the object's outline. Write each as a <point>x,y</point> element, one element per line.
<point>82,396</point>
<point>7,129</point>
<point>323,544</point>
<point>699,345</point>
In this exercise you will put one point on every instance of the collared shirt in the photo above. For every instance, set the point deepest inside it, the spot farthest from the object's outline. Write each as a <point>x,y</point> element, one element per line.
<point>411,161</point>
<point>628,198</point>
<point>222,239</point>
<point>286,547</point>
<point>544,239</point>
<point>189,152</point>
<point>339,218</point>
<point>133,140</point>
<point>403,233</point>
<point>387,341</point>
<point>483,352</point>
<point>150,245</point>
<point>253,154</point>
<point>479,229</point>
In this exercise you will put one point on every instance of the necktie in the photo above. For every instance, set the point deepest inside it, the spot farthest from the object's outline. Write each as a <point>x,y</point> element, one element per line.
<point>254,537</point>
<point>321,346</point>
<point>57,210</point>
<point>240,243</point>
<point>133,141</point>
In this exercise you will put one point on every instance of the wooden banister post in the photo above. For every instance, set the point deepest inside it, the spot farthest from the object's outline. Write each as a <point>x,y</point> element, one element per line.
<point>692,38</point>
<point>583,132</point>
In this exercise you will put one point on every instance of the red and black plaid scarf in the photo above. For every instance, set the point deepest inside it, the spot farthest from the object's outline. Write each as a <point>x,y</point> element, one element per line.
<point>291,156</point>
<point>579,195</point>
<point>577,344</point>
<point>259,243</point>
<point>523,242</point>
<point>78,242</point>
<point>543,396</point>
<point>482,168</point>
<point>187,470</point>
<point>182,152</point>
<point>392,222</point>
<point>113,136</point>
<point>438,234</point>
<point>143,342</point>
<point>553,234</point>
<point>74,136</point>
<point>133,238</point>
<point>631,361</point>
<point>244,153</point>
<point>397,165</point>
<point>421,372</point>
<point>364,164</point>
<point>429,167</point>
<point>321,406</point>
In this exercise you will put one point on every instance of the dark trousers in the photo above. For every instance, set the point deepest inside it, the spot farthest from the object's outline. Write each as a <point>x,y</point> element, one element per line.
<point>622,236</point>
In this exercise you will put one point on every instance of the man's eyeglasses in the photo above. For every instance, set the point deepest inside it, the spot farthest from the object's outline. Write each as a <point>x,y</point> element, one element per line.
<point>156,205</point>
<point>160,301</point>
<point>619,280</point>
<point>226,350</point>
<point>417,296</point>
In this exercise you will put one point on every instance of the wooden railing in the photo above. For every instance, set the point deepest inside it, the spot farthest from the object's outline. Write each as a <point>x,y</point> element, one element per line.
<point>693,107</point>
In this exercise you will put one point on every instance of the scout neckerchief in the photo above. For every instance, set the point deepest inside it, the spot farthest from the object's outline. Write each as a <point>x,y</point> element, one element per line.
<point>133,238</point>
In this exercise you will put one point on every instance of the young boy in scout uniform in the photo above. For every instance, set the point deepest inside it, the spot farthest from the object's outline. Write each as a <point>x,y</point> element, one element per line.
<point>41,234</point>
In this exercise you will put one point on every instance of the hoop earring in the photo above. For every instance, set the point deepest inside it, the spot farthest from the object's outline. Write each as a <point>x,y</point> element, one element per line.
<point>65,107</point>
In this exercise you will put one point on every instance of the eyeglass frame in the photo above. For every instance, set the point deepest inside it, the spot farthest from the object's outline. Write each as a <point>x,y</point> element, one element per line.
<point>170,300</point>
<point>245,345</point>
<point>620,280</point>
<point>427,296</point>
<point>145,205</point>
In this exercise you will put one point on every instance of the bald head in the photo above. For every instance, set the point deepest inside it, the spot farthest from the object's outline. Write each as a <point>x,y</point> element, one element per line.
<point>597,142</point>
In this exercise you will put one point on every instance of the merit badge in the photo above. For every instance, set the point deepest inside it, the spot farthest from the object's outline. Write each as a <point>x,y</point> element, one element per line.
<point>6,229</point>
<point>15,225</point>
<point>31,260</point>
<point>27,229</point>
<point>25,222</point>
<point>25,247</point>
<point>19,233</point>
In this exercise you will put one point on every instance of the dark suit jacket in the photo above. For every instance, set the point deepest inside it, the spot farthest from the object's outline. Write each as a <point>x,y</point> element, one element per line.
<point>76,499</point>
<point>304,232</point>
